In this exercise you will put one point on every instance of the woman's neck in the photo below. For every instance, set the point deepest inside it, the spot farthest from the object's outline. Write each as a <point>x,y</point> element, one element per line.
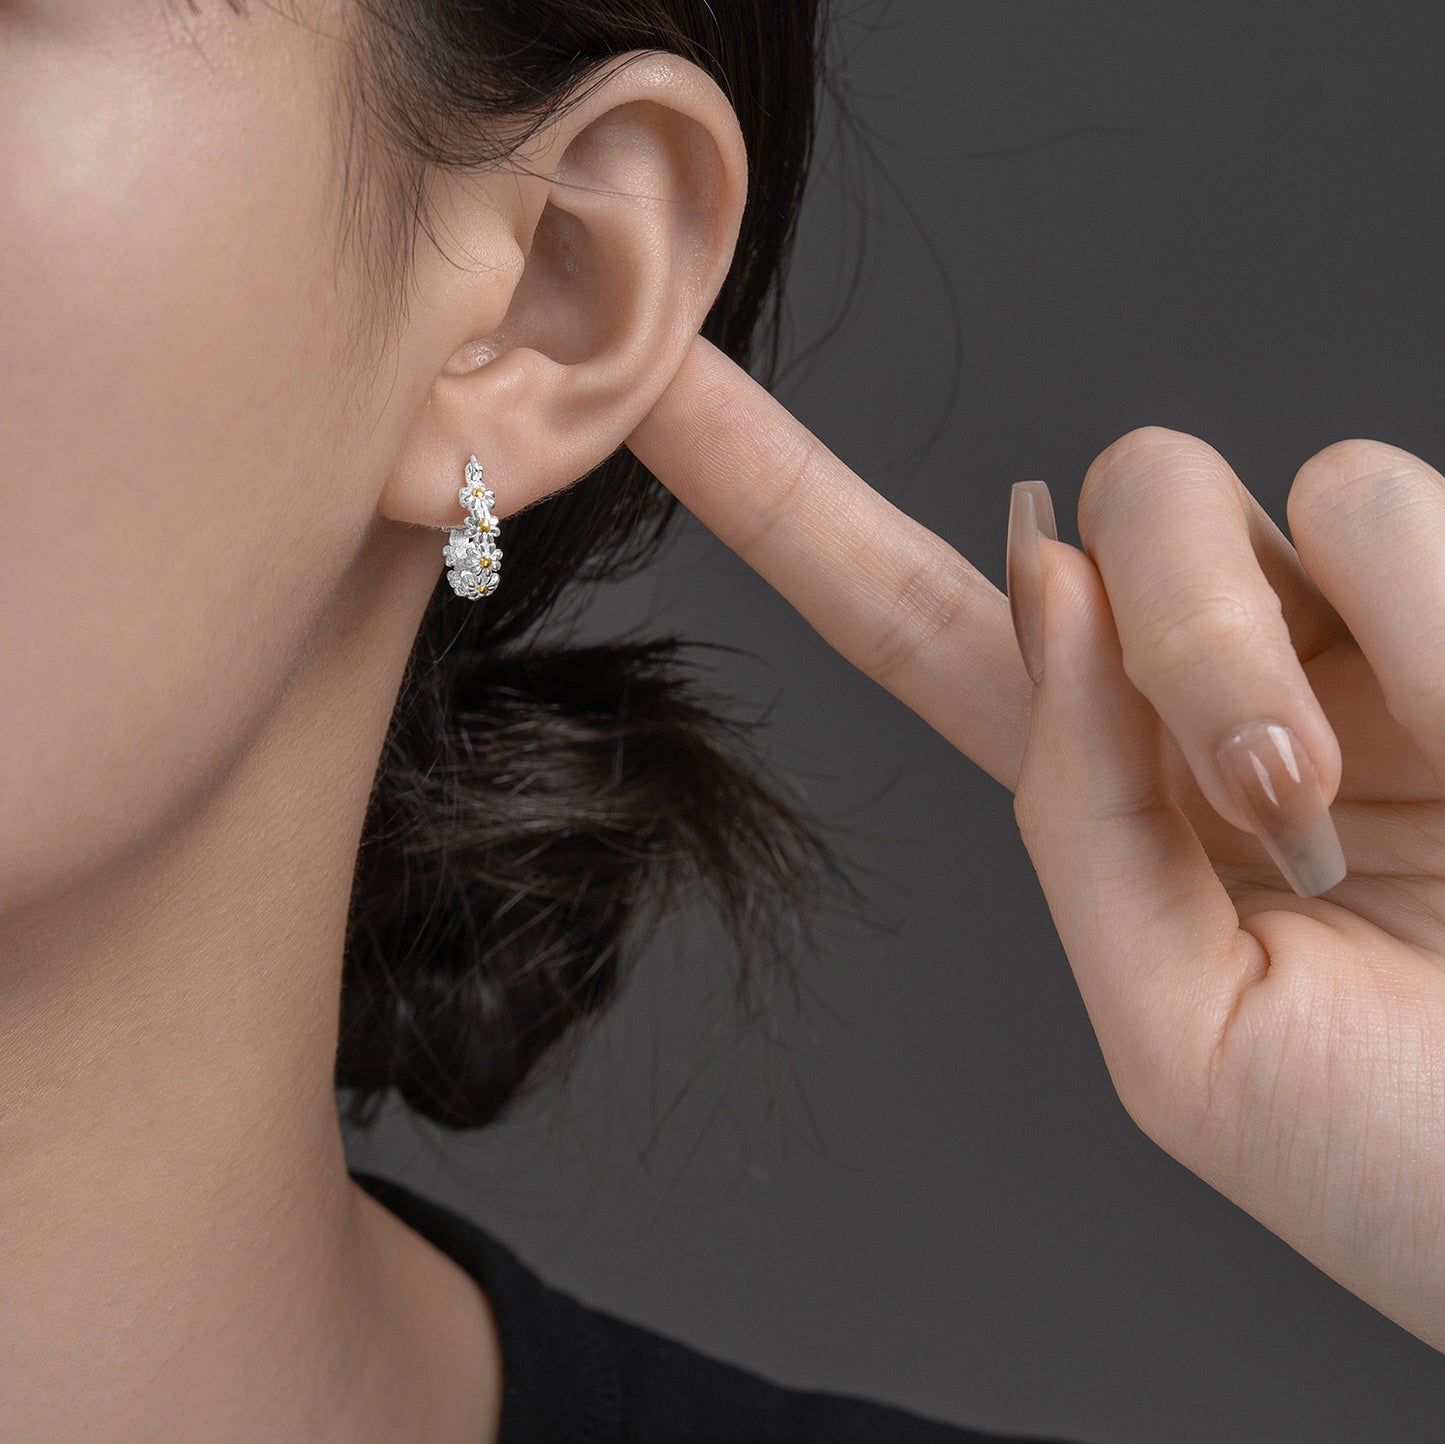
<point>184,1254</point>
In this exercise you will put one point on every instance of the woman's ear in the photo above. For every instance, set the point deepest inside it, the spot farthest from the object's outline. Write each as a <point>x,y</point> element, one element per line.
<point>587,267</point>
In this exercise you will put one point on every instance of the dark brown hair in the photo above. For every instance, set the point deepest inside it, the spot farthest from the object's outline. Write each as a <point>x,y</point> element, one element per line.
<point>540,809</point>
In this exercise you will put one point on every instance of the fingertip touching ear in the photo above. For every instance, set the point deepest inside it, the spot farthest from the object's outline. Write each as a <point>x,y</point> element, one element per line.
<point>585,273</point>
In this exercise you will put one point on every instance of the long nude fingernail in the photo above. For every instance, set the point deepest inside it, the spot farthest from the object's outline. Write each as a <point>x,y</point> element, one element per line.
<point>1030,513</point>
<point>1271,778</point>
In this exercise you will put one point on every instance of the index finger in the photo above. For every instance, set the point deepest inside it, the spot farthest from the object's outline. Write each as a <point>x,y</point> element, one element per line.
<point>888,594</point>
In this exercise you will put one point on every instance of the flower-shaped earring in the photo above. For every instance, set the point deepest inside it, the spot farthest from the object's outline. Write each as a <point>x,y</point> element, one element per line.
<point>472,553</point>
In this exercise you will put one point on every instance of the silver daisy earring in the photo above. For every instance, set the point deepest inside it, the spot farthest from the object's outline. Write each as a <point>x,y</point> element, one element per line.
<point>472,553</point>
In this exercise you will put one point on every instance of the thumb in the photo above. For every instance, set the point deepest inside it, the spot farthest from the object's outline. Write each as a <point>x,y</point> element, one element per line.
<point>1150,932</point>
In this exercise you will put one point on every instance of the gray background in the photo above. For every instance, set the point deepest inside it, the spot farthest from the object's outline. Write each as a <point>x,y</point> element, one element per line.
<point>1076,219</point>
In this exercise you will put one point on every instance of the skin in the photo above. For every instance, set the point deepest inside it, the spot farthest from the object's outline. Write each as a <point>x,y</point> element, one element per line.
<point>1286,1048</point>
<point>199,669</point>
<point>221,526</point>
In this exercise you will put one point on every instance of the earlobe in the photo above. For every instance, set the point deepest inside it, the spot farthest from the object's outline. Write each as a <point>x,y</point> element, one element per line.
<point>603,250</point>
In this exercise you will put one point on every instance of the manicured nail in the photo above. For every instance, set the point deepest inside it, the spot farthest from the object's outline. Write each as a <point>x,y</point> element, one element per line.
<point>1272,779</point>
<point>1030,512</point>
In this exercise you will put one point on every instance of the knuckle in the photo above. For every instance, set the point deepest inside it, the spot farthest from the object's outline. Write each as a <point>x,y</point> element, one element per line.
<point>1134,456</point>
<point>1191,628</point>
<point>934,593</point>
<point>1142,440</point>
<point>797,470</point>
<point>1139,1103</point>
<point>1028,812</point>
<point>1163,1088</point>
<point>1348,476</point>
<point>713,398</point>
<point>1155,1110</point>
<point>1135,1081</point>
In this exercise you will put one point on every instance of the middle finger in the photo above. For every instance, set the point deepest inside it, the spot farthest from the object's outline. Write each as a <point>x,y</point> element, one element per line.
<point>1214,611</point>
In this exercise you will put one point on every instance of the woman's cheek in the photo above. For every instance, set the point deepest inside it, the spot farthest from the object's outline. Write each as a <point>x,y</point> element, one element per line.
<point>167,459</point>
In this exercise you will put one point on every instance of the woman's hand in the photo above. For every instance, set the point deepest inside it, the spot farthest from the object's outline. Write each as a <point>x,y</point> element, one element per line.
<point>1288,1049</point>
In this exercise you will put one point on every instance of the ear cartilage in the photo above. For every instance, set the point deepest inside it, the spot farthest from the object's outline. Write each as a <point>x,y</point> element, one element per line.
<point>472,554</point>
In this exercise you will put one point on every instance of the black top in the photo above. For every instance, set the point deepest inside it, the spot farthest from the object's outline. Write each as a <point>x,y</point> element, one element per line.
<point>576,1375</point>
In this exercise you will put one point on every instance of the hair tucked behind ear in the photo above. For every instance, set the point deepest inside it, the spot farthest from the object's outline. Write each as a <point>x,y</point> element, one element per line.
<point>539,809</point>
